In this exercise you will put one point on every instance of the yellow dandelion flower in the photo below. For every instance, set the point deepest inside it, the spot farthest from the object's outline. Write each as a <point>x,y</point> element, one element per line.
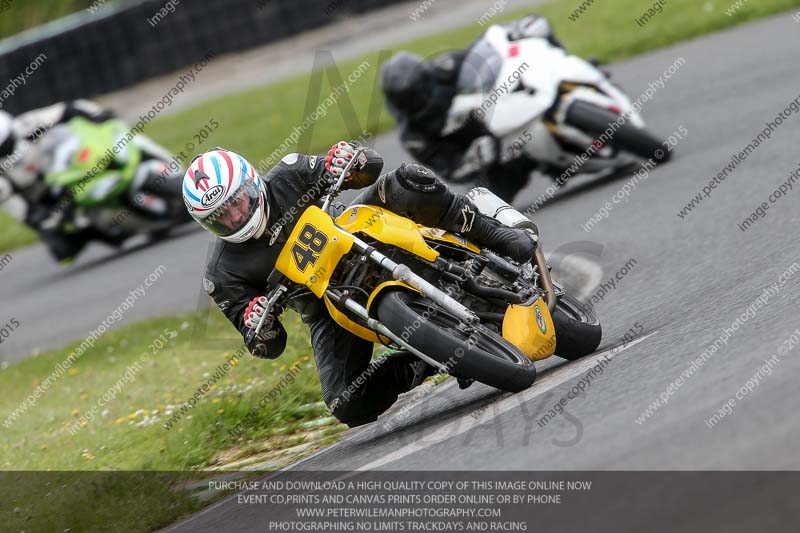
<point>74,412</point>
<point>282,368</point>
<point>215,400</point>
<point>220,411</point>
<point>305,358</point>
<point>84,396</point>
<point>83,423</point>
<point>146,412</point>
<point>132,416</point>
<point>43,447</point>
<point>120,420</point>
<point>73,371</point>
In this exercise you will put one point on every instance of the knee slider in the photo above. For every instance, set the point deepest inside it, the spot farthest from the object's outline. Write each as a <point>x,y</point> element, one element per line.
<point>419,179</point>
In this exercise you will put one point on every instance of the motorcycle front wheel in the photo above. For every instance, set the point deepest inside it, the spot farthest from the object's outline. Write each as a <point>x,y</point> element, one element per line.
<point>474,353</point>
<point>578,330</point>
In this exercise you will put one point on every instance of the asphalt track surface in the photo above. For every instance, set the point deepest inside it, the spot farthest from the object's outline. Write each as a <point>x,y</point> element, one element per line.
<point>692,278</point>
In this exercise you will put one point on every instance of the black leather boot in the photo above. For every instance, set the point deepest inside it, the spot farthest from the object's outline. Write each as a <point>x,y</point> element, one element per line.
<point>464,218</point>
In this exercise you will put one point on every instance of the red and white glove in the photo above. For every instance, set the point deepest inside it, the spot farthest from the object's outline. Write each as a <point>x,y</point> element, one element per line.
<point>338,157</point>
<point>255,309</point>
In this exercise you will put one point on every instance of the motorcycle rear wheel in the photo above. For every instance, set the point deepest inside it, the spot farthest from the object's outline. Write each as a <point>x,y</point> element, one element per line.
<point>478,354</point>
<point>595,120</point>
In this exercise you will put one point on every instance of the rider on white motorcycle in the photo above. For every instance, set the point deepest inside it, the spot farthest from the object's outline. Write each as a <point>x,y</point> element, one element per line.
<point>419,95</point>
<point>520,102</point>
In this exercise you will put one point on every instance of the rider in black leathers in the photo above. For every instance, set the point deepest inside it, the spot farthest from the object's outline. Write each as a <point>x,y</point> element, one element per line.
<point>419,94</point>
<point>236,274</point>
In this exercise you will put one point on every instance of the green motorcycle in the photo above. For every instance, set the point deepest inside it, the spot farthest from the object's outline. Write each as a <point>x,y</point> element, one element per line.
<point>105,183</point>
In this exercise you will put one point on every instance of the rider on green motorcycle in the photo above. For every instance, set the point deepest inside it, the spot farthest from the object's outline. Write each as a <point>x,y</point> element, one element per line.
<point>21,169</point>
<point>85,176</point>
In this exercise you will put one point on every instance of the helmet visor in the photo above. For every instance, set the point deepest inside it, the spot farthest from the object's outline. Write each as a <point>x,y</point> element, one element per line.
<point>236,212</point>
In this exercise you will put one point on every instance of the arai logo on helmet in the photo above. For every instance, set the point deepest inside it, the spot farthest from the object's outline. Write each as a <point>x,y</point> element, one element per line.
<point>540,319</point>
<point>212,195</point>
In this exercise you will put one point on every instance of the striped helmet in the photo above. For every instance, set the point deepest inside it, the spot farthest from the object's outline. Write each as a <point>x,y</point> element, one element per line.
<point>224,194</point>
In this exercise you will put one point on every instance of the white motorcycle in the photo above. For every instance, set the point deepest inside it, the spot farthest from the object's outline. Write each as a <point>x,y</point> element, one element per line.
<point>553,108</point>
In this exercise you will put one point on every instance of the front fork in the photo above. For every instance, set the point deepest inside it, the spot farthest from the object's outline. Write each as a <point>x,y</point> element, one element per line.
<point>402,273</point>
<point>545,281</point>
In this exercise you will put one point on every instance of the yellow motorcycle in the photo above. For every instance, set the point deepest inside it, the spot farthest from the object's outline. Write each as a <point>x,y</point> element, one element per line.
<point>464,310</point>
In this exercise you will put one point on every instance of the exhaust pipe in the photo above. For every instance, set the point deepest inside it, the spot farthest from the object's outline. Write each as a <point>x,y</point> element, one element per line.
<point>544,278</point>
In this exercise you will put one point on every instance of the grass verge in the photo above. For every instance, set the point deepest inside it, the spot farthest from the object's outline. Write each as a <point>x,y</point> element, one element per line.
<point>142,395</point>
<point>118,407</point>
<point>14,234</point>
<point>110,410</point>
<point>17,16</point>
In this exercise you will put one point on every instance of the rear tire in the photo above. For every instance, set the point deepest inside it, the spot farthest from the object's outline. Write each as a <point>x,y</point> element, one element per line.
<point>596,120</point>
<point>481,354</point>
<point>578,331</point>
<point>159,235</point>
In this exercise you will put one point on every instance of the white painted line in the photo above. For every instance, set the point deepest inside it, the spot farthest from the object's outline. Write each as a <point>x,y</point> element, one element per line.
<point>467,422</point>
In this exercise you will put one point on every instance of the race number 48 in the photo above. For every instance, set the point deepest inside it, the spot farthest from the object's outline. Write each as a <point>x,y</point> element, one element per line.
<point>308,246</point>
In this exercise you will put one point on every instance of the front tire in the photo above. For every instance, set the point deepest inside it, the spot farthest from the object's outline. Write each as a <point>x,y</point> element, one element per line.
<point>481,354</point>
<point>578,331</point>
<point>595,120</point>
<point>63,246</point>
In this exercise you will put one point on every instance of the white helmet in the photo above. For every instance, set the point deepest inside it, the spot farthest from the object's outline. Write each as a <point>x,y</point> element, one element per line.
<point>225,195</point>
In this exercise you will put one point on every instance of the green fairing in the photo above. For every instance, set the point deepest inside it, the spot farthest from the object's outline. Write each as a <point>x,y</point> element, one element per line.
<point>99,146</point>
